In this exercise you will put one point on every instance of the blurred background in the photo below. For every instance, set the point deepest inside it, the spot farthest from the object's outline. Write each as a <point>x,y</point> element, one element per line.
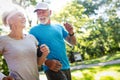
<point>97,29</point>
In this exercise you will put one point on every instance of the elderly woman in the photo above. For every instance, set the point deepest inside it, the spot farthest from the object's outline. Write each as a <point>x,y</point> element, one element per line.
<point>20,50</point>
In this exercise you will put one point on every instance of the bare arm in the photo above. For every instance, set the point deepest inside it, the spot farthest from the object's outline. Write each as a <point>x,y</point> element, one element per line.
<point>53,65</point>
<point>8,78</point>
<point>45,51</point>
<point>71,37</point>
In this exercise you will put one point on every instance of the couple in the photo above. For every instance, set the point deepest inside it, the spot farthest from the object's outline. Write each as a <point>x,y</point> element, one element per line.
<point>20,51</point>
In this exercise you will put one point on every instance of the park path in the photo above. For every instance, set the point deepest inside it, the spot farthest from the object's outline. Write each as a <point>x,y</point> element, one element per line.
<point>43,76</point>
<point>98,64</point>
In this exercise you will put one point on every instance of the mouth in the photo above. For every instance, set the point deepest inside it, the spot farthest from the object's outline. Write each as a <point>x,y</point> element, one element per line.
<point>42,19</point>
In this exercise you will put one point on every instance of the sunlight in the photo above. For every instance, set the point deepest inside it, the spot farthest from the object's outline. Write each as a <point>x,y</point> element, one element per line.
<point>104,74</point>
<point>77,74</point>
<point>57,5</point>
<point>7,5</point>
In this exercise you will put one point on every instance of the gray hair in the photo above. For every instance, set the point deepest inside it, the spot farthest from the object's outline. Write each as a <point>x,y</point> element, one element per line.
<point>6,15</point>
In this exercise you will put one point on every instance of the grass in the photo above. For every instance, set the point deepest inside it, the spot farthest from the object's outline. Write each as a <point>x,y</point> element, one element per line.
<point>98,60</point>
<point>109,72</point>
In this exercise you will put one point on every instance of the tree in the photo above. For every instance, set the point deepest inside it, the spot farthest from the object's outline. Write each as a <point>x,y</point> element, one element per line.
<point>96,36</point>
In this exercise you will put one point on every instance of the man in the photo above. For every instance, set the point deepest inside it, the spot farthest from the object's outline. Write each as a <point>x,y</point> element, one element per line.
<point>57,64</point>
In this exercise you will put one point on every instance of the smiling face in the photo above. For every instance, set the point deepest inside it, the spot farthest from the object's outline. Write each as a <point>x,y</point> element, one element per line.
<point>16,20</point>
<point>19,19</point>
<point>43,16</point>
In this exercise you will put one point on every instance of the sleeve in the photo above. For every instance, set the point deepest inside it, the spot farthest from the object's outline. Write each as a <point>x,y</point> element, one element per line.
<point>65,33</point>
<point>2,44</point>
<point>35,40</point>
<point>2,76</point>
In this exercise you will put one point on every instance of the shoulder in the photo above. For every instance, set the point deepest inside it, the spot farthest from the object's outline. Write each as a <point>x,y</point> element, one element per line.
<point>59,25</point>
<point>33,38</point>
<point>30,36</point>
<point>34,27</point>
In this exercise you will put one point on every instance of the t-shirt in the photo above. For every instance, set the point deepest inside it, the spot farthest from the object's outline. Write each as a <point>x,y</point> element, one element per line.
<point>20,56</point>
<point>53,36</point>
<point>1,76</point>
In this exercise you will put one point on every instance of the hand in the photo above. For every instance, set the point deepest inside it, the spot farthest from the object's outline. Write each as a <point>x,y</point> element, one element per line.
<point>8,78</point>
<point>53,65</point>
<point>44,49</point>
<point>69,28</point>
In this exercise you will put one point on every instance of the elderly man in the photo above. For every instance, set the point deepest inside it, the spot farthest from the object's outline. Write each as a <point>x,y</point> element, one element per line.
<point>57,64</point>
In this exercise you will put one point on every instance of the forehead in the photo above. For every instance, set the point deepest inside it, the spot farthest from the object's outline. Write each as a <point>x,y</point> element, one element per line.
<point>18,13</point>
<point>41,10</point>
<point>14,14</point>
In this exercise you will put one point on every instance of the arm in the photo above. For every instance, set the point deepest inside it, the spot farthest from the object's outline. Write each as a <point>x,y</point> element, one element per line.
<point>8,78</point>
<point>71,37</point>
<point>53,65</point>
<point>3,77</point>
<point>45,51</point>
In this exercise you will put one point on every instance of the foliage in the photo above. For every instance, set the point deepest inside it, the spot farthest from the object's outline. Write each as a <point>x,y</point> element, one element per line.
<point>72,13</point>
<point>24,3</point>
<point>95,37</point>
<point>105,58</point>
<point>3,66</point>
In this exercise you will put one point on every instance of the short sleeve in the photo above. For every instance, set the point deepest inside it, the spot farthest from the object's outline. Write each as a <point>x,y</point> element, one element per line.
<point>2,43</point>
<point>34,39</point>
<point>65,33</point>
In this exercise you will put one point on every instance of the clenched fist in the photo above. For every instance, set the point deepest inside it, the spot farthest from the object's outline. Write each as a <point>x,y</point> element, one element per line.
<point>8,78</point>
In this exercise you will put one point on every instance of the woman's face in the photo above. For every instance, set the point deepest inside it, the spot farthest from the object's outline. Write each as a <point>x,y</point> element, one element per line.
<point>17,21</point>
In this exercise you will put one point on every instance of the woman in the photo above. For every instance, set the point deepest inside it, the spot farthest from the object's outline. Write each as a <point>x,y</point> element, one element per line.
<point>19,50</point>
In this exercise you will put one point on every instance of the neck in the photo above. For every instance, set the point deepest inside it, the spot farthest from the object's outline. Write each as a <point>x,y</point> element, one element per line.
<point>48,22</point>
<point>16,35</point>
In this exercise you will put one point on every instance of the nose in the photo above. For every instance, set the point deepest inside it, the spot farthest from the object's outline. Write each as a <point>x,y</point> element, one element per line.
<point>23,19</point>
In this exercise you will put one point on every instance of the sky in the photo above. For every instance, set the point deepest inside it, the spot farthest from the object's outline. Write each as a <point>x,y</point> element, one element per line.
<point>55,5</point>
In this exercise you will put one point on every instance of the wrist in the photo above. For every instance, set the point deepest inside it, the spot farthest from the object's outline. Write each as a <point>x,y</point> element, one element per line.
<point>44,61</point>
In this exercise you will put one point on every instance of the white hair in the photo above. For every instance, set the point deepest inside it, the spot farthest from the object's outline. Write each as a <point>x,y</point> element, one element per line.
<point>11,14</point>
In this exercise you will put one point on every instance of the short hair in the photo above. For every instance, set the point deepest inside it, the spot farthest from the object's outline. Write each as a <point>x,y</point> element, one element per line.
<point>4,17</point>
<point>8,14</point>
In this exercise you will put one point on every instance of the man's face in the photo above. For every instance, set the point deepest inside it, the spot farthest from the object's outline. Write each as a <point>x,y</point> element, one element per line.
<point>43,16</point>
